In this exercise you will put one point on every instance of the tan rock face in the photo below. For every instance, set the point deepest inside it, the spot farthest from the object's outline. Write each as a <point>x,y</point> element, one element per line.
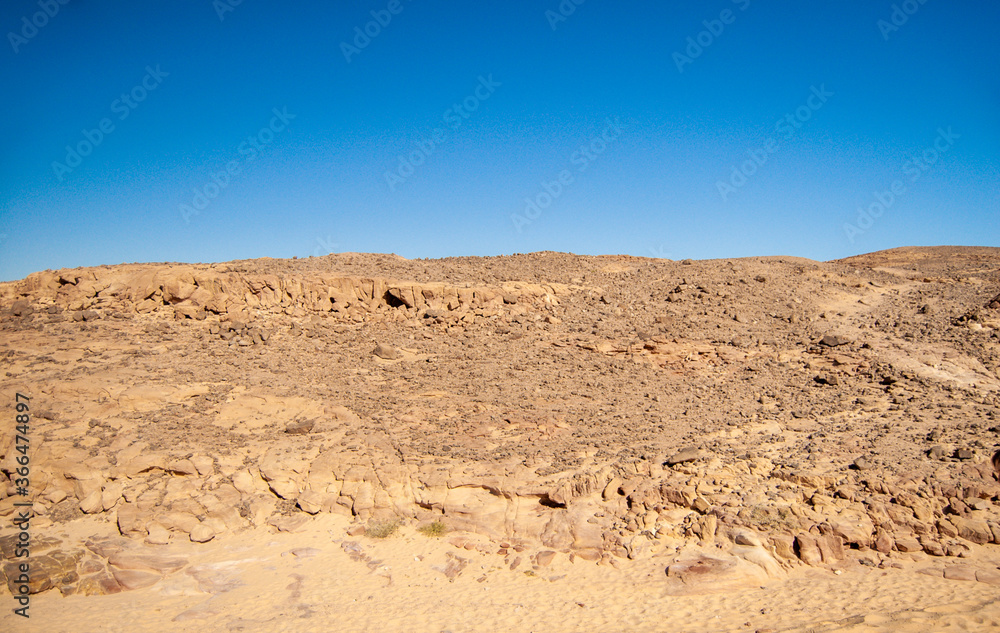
<point>597,407</point>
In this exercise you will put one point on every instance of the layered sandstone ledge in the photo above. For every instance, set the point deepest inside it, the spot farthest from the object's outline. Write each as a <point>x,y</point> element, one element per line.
<point>196,292</point>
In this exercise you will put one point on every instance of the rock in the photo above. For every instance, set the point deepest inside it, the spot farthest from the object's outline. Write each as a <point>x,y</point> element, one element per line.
<point>178,521</point>
<point>189,312</point>
<point>759,556</point>
<point>744,537</point>
<point>204,464</point>
<point>244,482</point>
<point>111,495</point>
<point>700,505</point>
<point>686,455</point>
<point>989,576</point>
<point>305,552</point>
<point>825,548</point>
<point>131,520</point>
<point>386,353</point>
<point>957,506</point>
<point>202,533</point>
<point>158,535</point>
<point>974,530</point>
<point>713,573</point>
<point>285,488</point>
<point>21,307</point>
<point>135,578</point>
<point>965,454</point>
<point>311,501</point>
<point>39,544</point>
<point>102,583</point>
<point>784,545</point>
<point>291,523</point>
<point>854,529</point>
<point>182,467</point>
<point>960,572</point>
<point>300,427</point>
<point>861,463</point>
<point>834,340</point>
<point>611,490</point>
<point>138,559</point>
<point>884,543</point>
<point>907,543</point>
<point>356,530</point>
<point>955,549</point>
<point>938,452</point>
<point>545,558</point>
<point>827,379</point>
<point>808,549</point>
<point>931,546</point>
<point>93,502</point>
<point>55,569</point>
<point>56,495</point>
<point>946,528</point>
<point>700,566</point>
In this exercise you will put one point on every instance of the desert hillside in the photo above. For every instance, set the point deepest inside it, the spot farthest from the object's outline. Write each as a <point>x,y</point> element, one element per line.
<point>515,424</point>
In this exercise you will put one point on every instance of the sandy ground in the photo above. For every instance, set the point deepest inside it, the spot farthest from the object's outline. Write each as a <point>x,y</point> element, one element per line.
<point>258,581</point>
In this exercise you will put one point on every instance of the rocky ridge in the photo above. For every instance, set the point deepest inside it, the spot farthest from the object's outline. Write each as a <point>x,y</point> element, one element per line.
<point>781,411</point>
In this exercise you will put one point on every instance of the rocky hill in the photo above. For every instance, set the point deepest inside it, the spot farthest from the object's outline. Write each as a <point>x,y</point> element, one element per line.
<point>784,411</point>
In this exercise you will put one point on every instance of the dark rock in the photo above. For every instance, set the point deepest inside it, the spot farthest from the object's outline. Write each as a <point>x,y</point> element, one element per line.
<point>300,427</point>
<point>937,452</point>
<point>21,308</point>
<point>827,379</point>
<point>686,455</point>
<point>57,569</point>
<point>965,453</point>
<point>385,352</point>
<point>834,340</point>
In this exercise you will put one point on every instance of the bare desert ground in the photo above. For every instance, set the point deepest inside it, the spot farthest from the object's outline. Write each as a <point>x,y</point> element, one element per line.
<point>542,442</point>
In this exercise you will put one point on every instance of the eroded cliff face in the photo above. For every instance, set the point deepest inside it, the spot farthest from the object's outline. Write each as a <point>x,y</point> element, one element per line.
<point>789,412</point>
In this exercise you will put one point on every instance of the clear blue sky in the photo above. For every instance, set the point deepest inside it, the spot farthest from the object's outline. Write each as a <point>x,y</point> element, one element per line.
<point>627,135</point>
